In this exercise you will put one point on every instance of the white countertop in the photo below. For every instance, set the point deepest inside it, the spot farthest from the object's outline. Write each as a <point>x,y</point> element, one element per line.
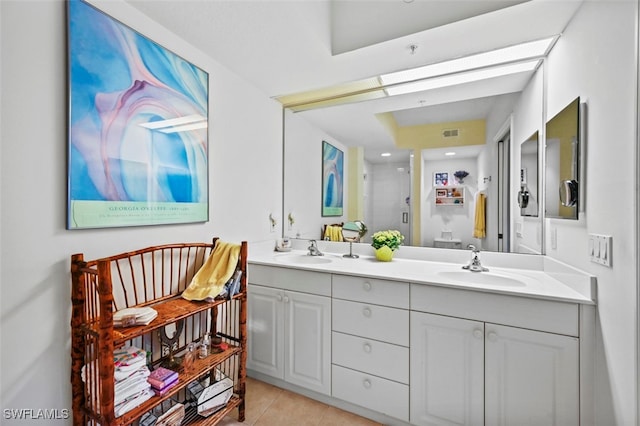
<point>516,282</point>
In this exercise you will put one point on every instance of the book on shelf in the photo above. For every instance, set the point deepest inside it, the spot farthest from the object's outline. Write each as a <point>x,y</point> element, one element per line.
<point>166,388</point>
<point>161,377</point>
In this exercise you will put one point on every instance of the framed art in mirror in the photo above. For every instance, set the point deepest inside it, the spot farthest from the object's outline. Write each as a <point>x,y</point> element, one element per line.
<point>332,180</point>
<point>138,118</point>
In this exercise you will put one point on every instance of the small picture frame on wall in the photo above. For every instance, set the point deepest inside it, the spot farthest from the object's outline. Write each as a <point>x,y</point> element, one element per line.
<point>441,179</point>
<point>332,180</point>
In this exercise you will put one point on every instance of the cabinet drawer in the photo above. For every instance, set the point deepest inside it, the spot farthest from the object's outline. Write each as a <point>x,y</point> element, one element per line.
<point>375,393</point>
<point>371,321</point>
<point>535,314</point>
<point>368,290</point>
<point>371,356</point>
<point>290,279</point>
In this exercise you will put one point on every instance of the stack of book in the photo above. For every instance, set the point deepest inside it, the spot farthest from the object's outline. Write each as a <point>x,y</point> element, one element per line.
<point>162,379</point>
<point>129,317</point>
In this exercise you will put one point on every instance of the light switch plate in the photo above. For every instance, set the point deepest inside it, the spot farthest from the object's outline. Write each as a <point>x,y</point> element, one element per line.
<point>600,249</point>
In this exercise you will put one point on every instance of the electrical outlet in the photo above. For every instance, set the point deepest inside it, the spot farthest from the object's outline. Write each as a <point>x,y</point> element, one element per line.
<point>600,249</point>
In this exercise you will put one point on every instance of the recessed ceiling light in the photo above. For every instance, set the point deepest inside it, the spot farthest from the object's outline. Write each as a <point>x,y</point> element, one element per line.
<point>385,154</point>
<point>449,154</point>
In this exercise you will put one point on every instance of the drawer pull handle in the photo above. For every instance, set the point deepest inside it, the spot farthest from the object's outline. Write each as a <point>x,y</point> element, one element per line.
<point>493,337</point>
<point>367,348</point>
<point>366,312</point>
<point>478,334</point>
<point>286,299</point>
<point>366,286</point>
<point>366,383</point>
<point>279,298</point>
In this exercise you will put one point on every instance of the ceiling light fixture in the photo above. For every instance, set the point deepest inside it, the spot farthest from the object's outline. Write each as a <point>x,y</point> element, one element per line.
<point>449,154</point>
<point>519,52</point>
<point>461,78</point>
<point>385,154</point>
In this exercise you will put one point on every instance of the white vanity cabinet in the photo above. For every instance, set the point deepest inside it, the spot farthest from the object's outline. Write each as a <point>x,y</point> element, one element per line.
<point>447,370</point>
<point>370,351</point>
<point>289,331</point>
<point>521,368</point>
<point>531,377</point>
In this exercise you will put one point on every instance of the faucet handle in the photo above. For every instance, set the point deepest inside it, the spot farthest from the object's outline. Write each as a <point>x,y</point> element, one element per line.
<point>473,248</point>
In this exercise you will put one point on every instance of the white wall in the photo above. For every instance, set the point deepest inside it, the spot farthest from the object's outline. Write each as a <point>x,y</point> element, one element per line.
<point>245,185</point>
<point>303,177</point>
<point>595,59</point>
<point>457,219</point>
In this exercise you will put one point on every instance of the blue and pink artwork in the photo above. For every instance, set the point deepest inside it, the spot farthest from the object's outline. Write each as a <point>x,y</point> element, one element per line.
<point>332,180</point>
<point>138,128</point>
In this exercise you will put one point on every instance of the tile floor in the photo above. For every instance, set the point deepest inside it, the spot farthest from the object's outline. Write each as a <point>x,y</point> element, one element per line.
<point>268,405</point>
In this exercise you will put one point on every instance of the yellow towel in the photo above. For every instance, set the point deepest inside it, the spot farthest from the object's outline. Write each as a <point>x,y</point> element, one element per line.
<point>333,232</point>
<point>480,225</point>
<point>209,281</point>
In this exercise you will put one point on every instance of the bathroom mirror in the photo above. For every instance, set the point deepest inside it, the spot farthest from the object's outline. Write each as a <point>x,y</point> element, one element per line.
<point>562,163</point>
<point>387,187</point>
<point>528,193</point>
<point>352,232</point>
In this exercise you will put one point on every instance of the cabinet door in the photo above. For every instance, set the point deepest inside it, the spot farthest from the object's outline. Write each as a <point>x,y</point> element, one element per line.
<point>308,341</point>
<point>447,370</point>
<point>531,377</point>
<point>265,331</point>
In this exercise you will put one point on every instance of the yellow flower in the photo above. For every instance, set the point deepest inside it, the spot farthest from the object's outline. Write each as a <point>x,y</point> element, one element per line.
<point>389,238</point>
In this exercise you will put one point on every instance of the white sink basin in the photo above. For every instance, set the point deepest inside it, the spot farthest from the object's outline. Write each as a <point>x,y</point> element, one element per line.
<point>302,259</point>
<point>484,278</point>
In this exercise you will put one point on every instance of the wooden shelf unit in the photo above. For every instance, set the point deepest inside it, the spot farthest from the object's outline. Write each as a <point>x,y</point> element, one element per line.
<point>449,196</point>
<point>154,276</point>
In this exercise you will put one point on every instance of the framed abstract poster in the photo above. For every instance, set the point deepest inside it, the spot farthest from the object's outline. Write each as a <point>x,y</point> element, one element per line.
<point>138,118</point>
<point>332,180</point>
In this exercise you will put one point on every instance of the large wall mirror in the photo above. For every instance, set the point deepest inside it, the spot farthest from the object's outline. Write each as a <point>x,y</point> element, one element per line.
<point>461,128</point>
<point>528,198</point>
<point>562,168</point>
<point>404,135</point>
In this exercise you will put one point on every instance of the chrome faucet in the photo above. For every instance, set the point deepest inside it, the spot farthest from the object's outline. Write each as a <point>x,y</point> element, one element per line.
<point>475,265</point>
<point>313,249</point>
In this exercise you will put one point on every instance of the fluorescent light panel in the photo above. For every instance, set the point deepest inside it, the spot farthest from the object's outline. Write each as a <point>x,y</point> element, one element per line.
<point>185,128</point>
<point>461,78</point>
<point>174,122</point>
<point>533,49</point>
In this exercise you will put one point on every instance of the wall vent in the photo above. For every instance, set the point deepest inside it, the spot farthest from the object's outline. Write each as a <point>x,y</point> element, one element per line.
<point>450,133</point>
